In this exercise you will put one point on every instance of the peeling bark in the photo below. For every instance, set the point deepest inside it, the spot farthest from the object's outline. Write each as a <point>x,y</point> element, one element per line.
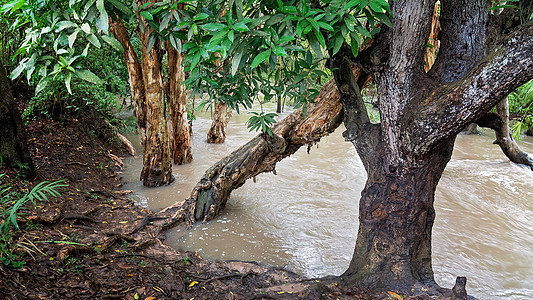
<point>221,116</point>
<point>180,138</point>
<point>499,122</point>
<point>157,165</point>
<point>148,99</point>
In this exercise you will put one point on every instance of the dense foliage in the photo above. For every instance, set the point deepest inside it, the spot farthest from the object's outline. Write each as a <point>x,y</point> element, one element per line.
<point>238,51</point>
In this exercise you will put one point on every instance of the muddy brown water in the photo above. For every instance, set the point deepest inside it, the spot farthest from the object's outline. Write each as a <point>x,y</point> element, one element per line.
<point>305,217</point>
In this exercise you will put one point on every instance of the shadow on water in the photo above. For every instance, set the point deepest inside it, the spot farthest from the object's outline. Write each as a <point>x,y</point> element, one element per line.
<point>305,217</point>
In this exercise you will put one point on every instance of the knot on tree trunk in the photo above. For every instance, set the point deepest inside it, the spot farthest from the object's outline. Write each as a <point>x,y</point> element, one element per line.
<point>276,142</point>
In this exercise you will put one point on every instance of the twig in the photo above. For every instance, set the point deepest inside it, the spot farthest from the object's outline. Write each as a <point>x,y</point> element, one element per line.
<point>226,276</point>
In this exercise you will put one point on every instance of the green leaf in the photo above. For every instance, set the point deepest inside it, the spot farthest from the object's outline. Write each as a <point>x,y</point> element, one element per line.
<point>88,76</point>
<point>325,26</point>
<point>113,42</point>
<point>201,16</point>
<point>337,43</point>
<point>104,18</point>
<point>120,6</point>
<point>67,82</point>
<point>165,21</point>
<point>41,85</point>
<point>86,28</point>
<point>351,4</point>
<point>147,15</point>
<point>64,25</point>
<point>214,26</point>
<point>72,38</point>
<point>236,60</point>
<point>18,70</point>
<point>383,18</point>
<point>279,51</point>
<point>151,42</point>
<point>240,27</point>
<point>261,57</point>
<point>94,40</point>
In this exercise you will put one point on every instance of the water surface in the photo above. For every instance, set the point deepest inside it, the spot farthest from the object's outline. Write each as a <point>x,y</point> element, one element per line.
<point>305,217</point>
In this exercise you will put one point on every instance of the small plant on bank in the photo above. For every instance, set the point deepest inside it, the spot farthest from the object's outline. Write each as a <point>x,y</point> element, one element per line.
<point>11,203</point>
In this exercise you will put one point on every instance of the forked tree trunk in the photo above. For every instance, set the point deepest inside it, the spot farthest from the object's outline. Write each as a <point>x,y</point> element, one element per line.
<point>13,146</point>
<point>157,164</point>
<point>421,113</point>
<point>217,132</point>
<point>148,99</point>
<point>180,139</point>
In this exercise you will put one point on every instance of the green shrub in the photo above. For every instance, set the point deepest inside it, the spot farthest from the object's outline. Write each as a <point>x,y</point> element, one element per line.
<point>55,101</point>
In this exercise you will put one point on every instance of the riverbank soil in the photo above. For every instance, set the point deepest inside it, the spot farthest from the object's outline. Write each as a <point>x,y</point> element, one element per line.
<point>80,244</point>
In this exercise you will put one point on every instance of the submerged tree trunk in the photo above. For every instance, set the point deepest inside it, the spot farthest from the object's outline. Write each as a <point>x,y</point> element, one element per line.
<point>157,164</point>
<point>180,138</point>
<point>148,99</point>
<point>13,147</point>
<point>421,113</point>
<point>217,132</point>
<point>499,122</point>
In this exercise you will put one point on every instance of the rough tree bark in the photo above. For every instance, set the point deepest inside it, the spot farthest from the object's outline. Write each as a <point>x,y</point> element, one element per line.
<point>163,138</point>
<point>421,113</point>
<point>157,164</point>
<point>13,146</point>
<point>217,131</point>
<point>180,138</point>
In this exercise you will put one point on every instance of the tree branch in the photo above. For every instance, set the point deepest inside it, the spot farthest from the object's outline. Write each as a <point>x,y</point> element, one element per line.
<point>356,118</point>
<point>453,106</point>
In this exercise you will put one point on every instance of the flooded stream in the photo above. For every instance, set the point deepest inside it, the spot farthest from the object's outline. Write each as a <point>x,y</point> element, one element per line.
<point>305,217</point>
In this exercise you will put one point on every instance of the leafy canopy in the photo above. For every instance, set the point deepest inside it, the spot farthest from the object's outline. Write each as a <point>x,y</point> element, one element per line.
<point>236,50</point>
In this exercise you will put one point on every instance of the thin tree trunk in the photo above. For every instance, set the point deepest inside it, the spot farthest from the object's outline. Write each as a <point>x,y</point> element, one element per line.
<point>180,139</point>
<point>217,132</point>
<point>13,146</point>
<point>222,114</point>
<point>135,74</point>
<point>499,122</point>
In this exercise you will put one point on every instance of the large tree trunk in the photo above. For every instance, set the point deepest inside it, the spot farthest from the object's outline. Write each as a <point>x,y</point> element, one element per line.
<point>180,138</point>
<point>148,99</point>
<point>157,164</point>
<point>13,146</point>
<point>396,215</point>
<point>421,113</point>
